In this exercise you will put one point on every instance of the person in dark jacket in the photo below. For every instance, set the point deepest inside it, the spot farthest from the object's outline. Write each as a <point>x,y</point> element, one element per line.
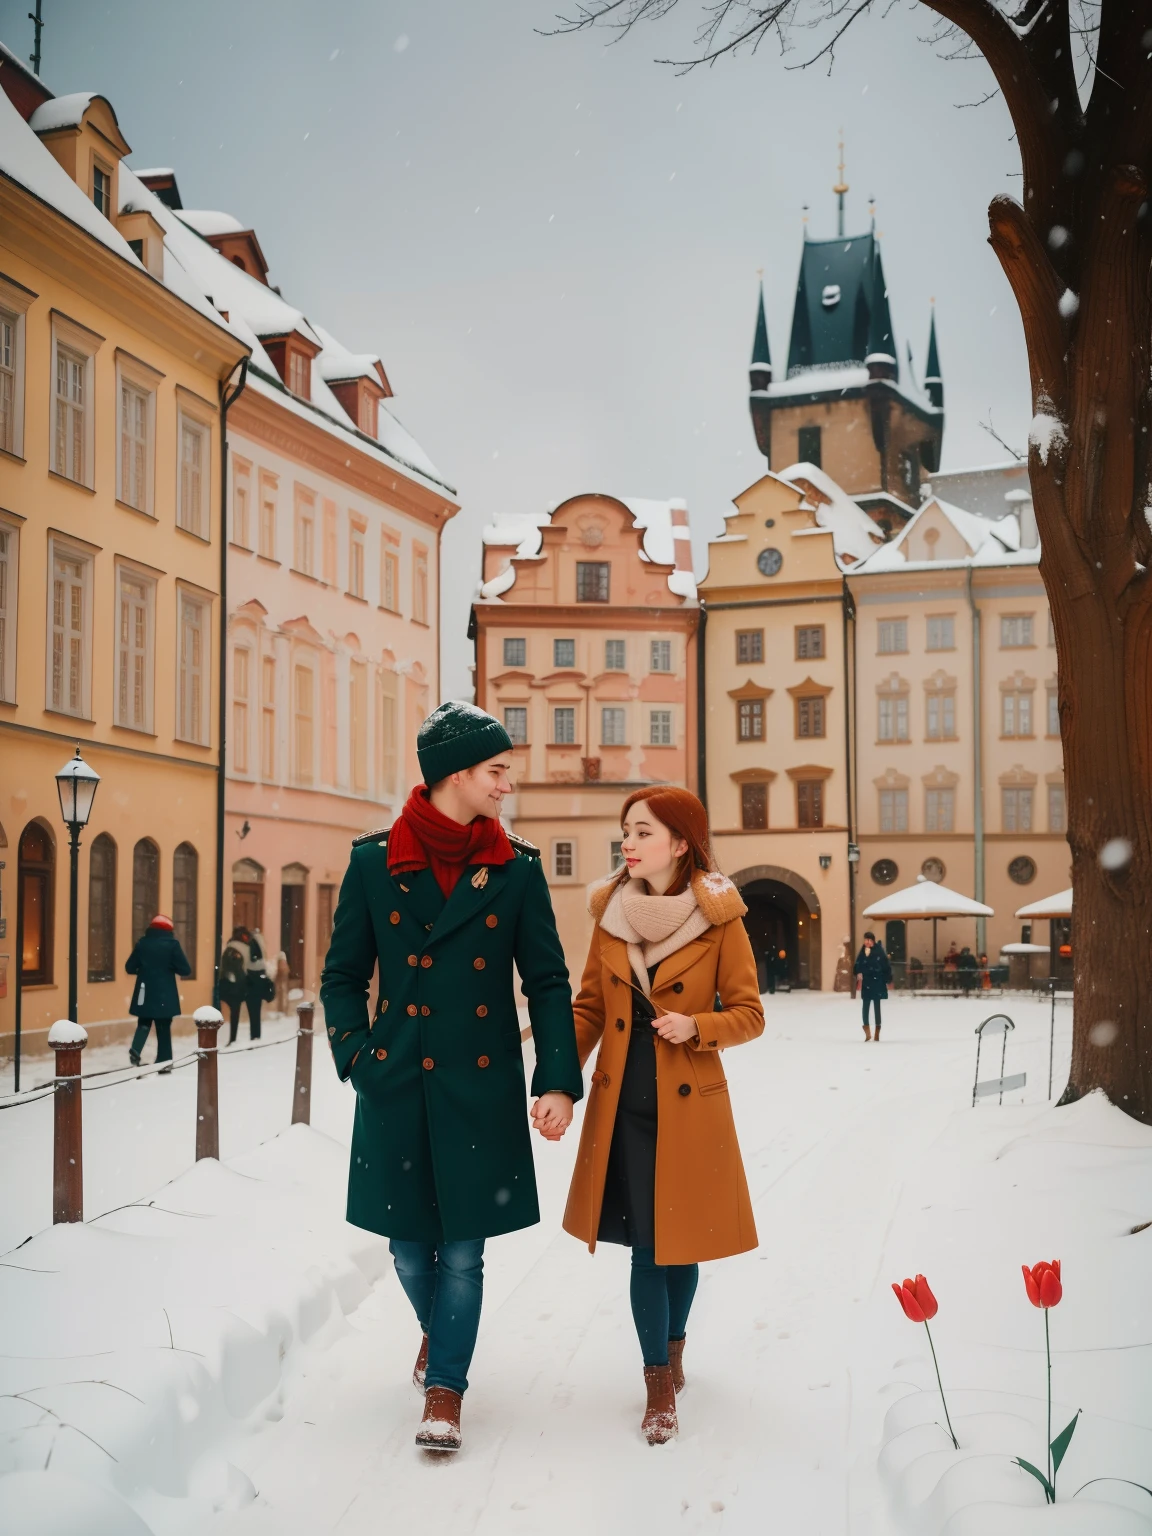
<point>234,962</point>
<point>875,972</point>
<point>156,961</point>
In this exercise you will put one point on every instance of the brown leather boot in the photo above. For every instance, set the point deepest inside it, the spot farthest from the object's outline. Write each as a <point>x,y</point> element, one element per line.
<point>676,1362</point>
<point>867,1032</point>
<point>659,1422</point>
<point>440,1427</point>
<point>421,1365</point>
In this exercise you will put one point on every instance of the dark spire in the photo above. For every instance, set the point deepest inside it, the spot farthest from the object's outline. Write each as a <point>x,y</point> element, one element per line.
<point>761,356</point>
<point>933,382</point>
<point>881,354</point>
<point>759,378</point>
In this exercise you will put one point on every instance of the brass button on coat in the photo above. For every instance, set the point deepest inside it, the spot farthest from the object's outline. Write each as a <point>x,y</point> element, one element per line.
<point>413,960</point>
<point>491,920</point>
<point>478,963</point>
<point>381,1054</point>
<point>481,1012</point>
<point>427,1063</point>
<point>412,1010</point>
<point>393,917</point>
<point>481,1061</point>
<point>426,961</point>
<point>684,1090</point>
<point>425,1010</point>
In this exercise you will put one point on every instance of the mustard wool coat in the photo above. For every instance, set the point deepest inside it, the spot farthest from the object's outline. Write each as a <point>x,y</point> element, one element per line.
<point>703,1210</point>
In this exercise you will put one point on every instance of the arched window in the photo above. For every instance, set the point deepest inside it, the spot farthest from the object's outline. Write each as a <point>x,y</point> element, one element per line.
<point>102,909</point>
<point>145,885</point>
<point>37,899</point>
<point>185,873</point>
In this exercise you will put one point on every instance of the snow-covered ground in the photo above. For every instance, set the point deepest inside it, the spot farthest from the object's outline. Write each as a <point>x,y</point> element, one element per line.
<point>232,1358</point>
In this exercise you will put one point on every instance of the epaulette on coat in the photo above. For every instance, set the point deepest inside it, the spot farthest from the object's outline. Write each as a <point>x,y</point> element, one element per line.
<point>379,836</point>
<point>522,845</point>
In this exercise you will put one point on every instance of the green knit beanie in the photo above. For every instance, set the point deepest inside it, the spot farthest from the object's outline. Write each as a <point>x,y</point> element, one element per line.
<point>458,736</point>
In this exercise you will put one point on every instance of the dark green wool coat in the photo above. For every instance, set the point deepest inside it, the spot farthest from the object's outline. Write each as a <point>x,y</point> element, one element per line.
<point>156,961</point>
<point>441,1145</point>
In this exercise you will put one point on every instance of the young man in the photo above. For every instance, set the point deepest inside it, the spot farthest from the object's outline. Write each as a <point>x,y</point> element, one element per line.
<point>445,902</point>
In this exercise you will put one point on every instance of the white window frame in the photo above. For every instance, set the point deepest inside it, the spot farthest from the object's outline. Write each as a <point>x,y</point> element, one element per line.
<point>940,714</point>
<point>564,851</point>
<point>65,549</point>
<point>893,808</point>
<point>661,728</point>
<point>895,632</point>
<point>613,725</point>
<point>188,728</point>
<point>660,656</point>
<point>132,374</point>
<point>1016,713</point>
<point>15,301</point>
<point>510,656</point>
<point>1026,621</point>
<point>201,527</point>
<point>940,808</point>
<point>622,665</point>
<point>1014,795</point>
<point>9,604</point>
<point>946,624</point>
<point>518,738</point>
<point>896,726</point>
<point>569,711</point>
<point>124,570</point>
<point>564,666</point>
<point>78,342</point>
<point>615,854</point>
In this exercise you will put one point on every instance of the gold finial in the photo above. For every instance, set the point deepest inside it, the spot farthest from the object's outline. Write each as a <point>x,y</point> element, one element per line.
<point>841,186</point>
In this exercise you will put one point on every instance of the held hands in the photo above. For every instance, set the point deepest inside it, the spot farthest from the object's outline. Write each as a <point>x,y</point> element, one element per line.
<point>552,1115</point>
<point>676,1028</point>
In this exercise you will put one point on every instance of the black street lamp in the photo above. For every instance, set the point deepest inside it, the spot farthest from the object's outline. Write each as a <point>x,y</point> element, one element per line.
<point>76,784</point>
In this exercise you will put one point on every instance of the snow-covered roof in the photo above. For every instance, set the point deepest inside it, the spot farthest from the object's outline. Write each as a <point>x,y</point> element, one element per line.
<point>336,362</point>
<point>227,285</point>
<point>207,221</point>
<point>61,112</point>
<point>983,488</point>
<point>837,381</point>
<point>855,536</point>
<point>990,543</point>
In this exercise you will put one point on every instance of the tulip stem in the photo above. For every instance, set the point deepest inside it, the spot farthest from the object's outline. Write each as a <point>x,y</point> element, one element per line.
<point>940,1384</point>
<point>1048,1352</point>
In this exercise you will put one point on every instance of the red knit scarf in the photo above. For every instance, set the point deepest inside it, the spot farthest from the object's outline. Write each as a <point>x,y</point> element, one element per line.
<point>422,836</point>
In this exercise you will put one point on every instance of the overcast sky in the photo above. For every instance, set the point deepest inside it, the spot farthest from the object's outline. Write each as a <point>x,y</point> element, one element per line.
<point>554,243</point>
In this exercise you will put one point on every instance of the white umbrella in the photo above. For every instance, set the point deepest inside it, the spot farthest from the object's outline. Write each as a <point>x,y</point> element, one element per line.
<point>1059,905</point>
<point>927,899</point>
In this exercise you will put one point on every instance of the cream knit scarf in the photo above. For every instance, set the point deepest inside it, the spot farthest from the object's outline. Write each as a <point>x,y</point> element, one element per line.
<point>653,927</point>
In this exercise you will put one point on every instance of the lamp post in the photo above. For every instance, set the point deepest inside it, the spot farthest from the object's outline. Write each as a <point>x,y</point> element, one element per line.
<point>76,784</point>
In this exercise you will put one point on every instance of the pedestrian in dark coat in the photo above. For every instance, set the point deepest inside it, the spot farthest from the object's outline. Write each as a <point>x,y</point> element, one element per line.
<point>445,903</point>
<point>156,961</point>
<point>875,972</point>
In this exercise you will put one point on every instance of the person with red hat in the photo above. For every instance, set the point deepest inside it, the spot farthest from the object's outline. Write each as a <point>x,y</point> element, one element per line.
<point>156,960</point>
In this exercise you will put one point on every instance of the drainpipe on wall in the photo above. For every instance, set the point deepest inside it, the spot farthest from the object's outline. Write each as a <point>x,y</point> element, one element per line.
<point>701,709</point>
<point>848,612</point>
<point>226,400</point>
<point>977,768</point>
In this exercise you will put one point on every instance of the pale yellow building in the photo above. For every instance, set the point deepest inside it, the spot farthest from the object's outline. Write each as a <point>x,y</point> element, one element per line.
<point>111,368</point>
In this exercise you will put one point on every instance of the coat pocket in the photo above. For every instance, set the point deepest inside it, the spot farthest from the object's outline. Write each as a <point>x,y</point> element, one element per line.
<point>707,1088</point>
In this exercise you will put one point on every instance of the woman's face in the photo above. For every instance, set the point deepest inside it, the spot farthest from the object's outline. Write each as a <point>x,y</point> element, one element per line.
<point>651,851</point>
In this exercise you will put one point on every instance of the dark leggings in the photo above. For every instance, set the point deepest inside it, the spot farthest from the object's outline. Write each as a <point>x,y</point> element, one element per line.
<point>875,1003</point>
<point>661,1300</point>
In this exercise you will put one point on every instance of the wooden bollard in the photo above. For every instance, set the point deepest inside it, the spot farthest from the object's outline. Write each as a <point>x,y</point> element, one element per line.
<point>208,1022</point>
<point>67,1041</point>
<point>302,1090</point>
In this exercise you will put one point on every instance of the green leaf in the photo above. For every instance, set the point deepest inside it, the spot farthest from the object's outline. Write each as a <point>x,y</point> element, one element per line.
<point>1049,1496</point>
<point>1061,1443</point>
<point>1127,1480</point>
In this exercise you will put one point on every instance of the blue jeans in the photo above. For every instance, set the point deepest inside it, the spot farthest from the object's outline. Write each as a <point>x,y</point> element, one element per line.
<point>445,1284</point>
<point>661,1297</point>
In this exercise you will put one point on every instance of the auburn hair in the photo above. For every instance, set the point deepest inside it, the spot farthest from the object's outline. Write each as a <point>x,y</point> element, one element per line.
<point>685,817</point>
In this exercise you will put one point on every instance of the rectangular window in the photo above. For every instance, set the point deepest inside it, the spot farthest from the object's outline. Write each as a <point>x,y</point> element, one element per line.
<point>516,652</point>
<point>1015,630</point>
<point>1057,816</point>
<point>750,720</point>
<point>368,421</point>
<point>893,717</point>
<point>68,685</point>
<point>810,716</point>
<point>1016,806</point>
<point>660,656</point>
<point>8,546</point>
<point>356,560</point>
<point>563,859</point>
<point>192,507</point>
<point>303,723</point>
<point>592,581</point>
<point>1016,713</point>
<point>134,652</point>
<point>940,715</point>
<point>615,854</point>
<point>390,571</point>
<point>133,464</point>
<point>192,670</point>
<point>564,653</point>
<point>564,725</point>
<point>70,441</point>
<point>941,632</point>
<point>1053,712</point>
<point>268,518</point>
<point>660,728</point>
<point>331,543</point>
<point>516,723</point>
<point>300,375</point>
<point>754,807</point>
<point>389,732</point>
<point>241,683</point>
<point>304,532</point>
<point>102,190</point>
<point>893,810</point>
<point>8,382</point>
<point>419,584</point>
<point>749,646</point>
<point>808,445</point>
<point>809,642</point>
<point>810,802</point>
<point>612,727</point>
<point>241,509</point>
<point>358,725</point>
<point>614,657</point>
<point>893,636</point>
<point>939,810</point>
<point>268,718</point>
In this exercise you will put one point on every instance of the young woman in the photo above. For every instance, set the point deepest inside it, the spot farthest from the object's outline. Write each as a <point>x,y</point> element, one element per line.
<point>875,972</point>
<point>659,1166</point>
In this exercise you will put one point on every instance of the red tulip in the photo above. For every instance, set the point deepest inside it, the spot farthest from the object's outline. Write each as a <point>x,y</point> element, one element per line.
<point>1042,1282</point>
<point>916,1297</point>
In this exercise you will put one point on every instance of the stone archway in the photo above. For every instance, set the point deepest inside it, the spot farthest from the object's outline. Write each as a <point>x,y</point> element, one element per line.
<point>783,912</point>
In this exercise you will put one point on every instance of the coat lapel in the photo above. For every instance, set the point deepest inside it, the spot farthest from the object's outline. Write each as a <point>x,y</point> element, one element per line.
<point>683,960</point>
<point>476,887</point>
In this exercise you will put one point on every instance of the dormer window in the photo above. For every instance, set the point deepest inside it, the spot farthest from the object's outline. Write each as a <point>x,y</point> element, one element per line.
<point>300,375</point>
<point>368,410</point>
<point>102,190</point>
<point>292,354</point>
<point>831,296</point>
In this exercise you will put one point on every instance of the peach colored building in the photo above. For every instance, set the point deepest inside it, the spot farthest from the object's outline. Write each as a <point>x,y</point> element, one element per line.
<point>586,634</point>
<point>335,517</point>
<point>111,369</point>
